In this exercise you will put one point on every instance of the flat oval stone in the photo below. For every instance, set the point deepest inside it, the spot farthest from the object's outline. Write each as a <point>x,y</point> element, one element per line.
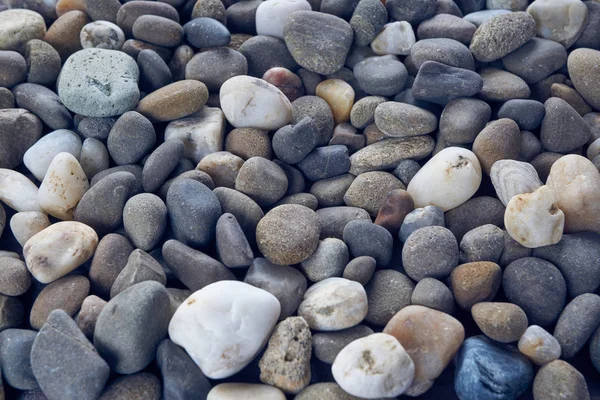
<point>222,166</point>
<point>59,249</point>
<point>379,247</point>
<point>214,67</point>
<point>15,348</point>
<point>528,114</point>
<point>20,26</point>
<point>39,156</point>
<point>434,294</point>
<point>109,259</point>
<point>475,282</point>
<point>318,109</point>
<point>131,137</point>
<point>499,140</point>
<point>404,120</point>
<point>64,33</point>
<point>462,119</point>
<point>88,315</point>
<point>440,83</point>
<point>448,26</point>
<point>206,32</point>
<point>339,95</point>
<point>502,322</point>
<point>560,21</point>
<point>14,68</point>
<point>232,246</point>
<point>328,260</point>
<point>266,52</point>
<point>334,219</point>
<point>539,346</point>
<point>236,344</point>
<point>109,87</point>
<point>44,103</point>
<point>19,130</point>
<point>500,85</point>
<point>583,68</point>
<point>14,276</point>
<point>443,50</point>
<point>234,391</point>
<point>145,220</point>
<point>158,30</point>
<point>174,101</point>
<point>577,323</point>
<point>130,11</point>
<point>536,59</point>
<point>412,12</point>
<point>263,180</point>
<point>388,291</point>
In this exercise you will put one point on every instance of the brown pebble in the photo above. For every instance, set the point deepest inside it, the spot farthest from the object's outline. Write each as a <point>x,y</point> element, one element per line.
<point>237,40</point>
<point>88,315</point>
<point>249,142</point>
<point>373,134</point>
<point>502,322</point>
<point>572,97</point>
<point>63,34</point>
<point>64,6</point>
<point>559,380</point>
<point>499,140</point>
<point>396,206</point>
<point>285,80</point>
<point>157,30</point>
<point>174,101</point>
<point>475,282</point>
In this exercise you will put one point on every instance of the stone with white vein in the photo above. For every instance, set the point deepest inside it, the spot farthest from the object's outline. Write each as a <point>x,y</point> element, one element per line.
<point>511,178</point>
<point>395,38</point>
<point>374,366</point>
<point>63,186</point>
<point>26,224</point>
<point>59,249</point>
<point>18,192</point>
<point>39,156</point>
<point>224,325</point>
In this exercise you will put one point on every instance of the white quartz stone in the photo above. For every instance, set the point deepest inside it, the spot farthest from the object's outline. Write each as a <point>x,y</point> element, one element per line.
<point>374,366</point>
<point>271,15</point>
<point>534,219</point>
<point>449,179</point>
<point>395,38</point>
<point>250,102</point>
<point>224,325</point>
<point>39,156</point>
<point>26,224</point>
<point>18,192</point>
<point>94,157</point>
<point>245,391</point>
<point>201,133</point>
<point>539,346</point>
<point>64,185</point>
<point>334,304</point>
<point>59,249</point>
<point>102,35</point>
<point>511,178</point>
<point>559,20</point>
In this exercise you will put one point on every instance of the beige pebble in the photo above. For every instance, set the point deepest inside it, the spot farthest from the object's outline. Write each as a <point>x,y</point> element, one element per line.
<point>339,95</point>
<point>26,224</point>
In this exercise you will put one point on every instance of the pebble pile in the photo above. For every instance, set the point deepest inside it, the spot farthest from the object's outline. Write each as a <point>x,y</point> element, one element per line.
<point>299,199</point>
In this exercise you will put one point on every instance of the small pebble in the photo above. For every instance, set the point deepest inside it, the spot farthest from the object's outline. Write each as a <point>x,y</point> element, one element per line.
<point>388,291</point>
<point>475,282</point>
<point>502,322</point>
<point>232,246</point>
<point>539,345</point>
<point>431,293</point>
<point>484,243</point>
<point>140,267</point>
<point>251,391</point>
<point>577,323</point>
<point>396,38</point>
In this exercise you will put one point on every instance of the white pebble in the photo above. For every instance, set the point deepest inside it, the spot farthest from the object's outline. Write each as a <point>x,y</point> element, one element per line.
<point>559,20</point>
<point>271,15</point>
<point>39,156</point>
<point>102,35</point>
<point>18,192</point>
<point>26,224</point>
<point>245,391</point>
<point>395,38</point>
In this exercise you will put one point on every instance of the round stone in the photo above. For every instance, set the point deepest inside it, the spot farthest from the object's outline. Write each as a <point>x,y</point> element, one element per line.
<point>174,101</point>
<point>420,218</point>
<point>563,129</point>
<point>536,59</point>
<point>430,252</point>
<point>396,38</point>
<point>404,120</point>
<point>412,11</point>
<point>145,220</point>
<point>463,119</point>
<point>328,260</point>
<point>263,180</point>
<point>559,377</point>
<point>19,131</point>
<point>484,243</point>
<point>443,50</point>
<point>445,25</point>
<point>130,138</point>
<point>370,189</point>
<point>129,12</point>
<point>19,26</point>
<point>475,282</point>
<point>103,35</point>
<point>206,32</point>
<point>560,21</point>
<point>502,322</point>
<point>499,140</point>
<point>430,292</point>
<point>388,291</point>
<point>214,67</point>
<point>380,245</point>
<point>539,346</point>
<point>14,276</point>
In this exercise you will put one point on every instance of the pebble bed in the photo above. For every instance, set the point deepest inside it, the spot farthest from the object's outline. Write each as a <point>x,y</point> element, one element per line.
<point>303,200</point>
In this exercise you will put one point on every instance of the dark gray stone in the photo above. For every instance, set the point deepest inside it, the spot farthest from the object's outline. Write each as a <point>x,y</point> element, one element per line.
<point>213,67</point>
<point>577,323</point>
<point>420,218</point>
<point>536,59</point>
<point>432,293</point>
<point>318,109</point>
<point>531,146</point>
<point>206,32</point>
<point>110,258</point>
<point>368,19</point>
<point>413,11</point>
<point>134,169</point>
<point>182,379</point>
<point>160,164</point>
<point>479,16</point>
<point>325,162</point>
<point>512,250</point>
<point>43,62</point>
<point>563,129</point>
<point>381,76</point>
<point>590,36</point>
<point>327,345</point>
<point>292,143</point>
<point>330,192</point>
<point>266,52</point>
<point>442,50</point>
<point>143,385</point>
<point>44,103</point>
<point>333,220</point>
<point>296,181</point>
<point>145,220</point>
<point>243,208</point>
<point>388,292</point>
<point>463,119</point>
<point>431,251</point>
<point>484,243</point>
<point>15,350</point>
<point>130,138</point>
<point>360,269</point>
<point>406,170</point>
<point>328,260</point>
<point>232,246</point>
<point>132,10</point>
<point>19,130</point>
<point>140,267</point>
<point>262,180</point>
<point>380,243</point>
<point>241,17</point>
<point>95,127</point>
<point>439,83</point>
<point>14,68</point>
<point>474,212</point>
<point>445,25</point>
<point>154,72</point>
<point>528,114</point>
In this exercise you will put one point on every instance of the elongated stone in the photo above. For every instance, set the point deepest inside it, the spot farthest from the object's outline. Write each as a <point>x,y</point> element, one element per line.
<point>511,178</point>
<point>18,192</point>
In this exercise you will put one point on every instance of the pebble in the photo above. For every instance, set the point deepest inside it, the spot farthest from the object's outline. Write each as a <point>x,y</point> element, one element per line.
<point>143,385</point>
<point>206,32</point>
<point>109,259</point>
<point>14,68</point>
<point>363,111</point>
<point>215,66</point>
<point>330,192</point>
<point>157,30</point>
<point>475,282</point>
<point>129,12</point>
<point>528,114</point>
<point>396,38</point>
<point>489,148</point>
<point>339,95</point>
<point>272,15</point>
<point>88,315</point>
<point>563,129</point>
<point>318,109</point>
<point>96,128</point>
<point>347,135</point>
<point>188,96</point>
<point>502,322</point>
<point>241,17</point>
<point>325,162</point>
<point>431,339</point>
<point>379,246</point>
<point>178,62</point>
<point>473,213</point>
<point>94,157</point>
<point>434,294</point>
<point>404,120</point>
<point>44,103</point>
<point>160,164</point>
<point>561,22</point>
<point>387,154</point>
<point>154,71</point>
<point>577,323</point>
<point>539,346</point>
<point>324,391</point>
<point>15,349</point>
<point>368,18</point>
<point>130,138</point>
<point>65,364</point>
<point>232,246</point>
<point>370,190</point>
<point>440,83</point>
<point>103,35</point>
<point>374,366</point>
<point>582,67</point>
<point>222,355</point>
<point>443,50</point>
<point>576,182</point>
<point>501,35</point>
<point>249,142</point>
<point>571,96</point>
<point>59,249</point>
<point>531,146</point>
<point>64,294</point>
<point>264,53</point>
<point>15,279</point>
<point>140,267</point>
<point>292,143</point>
<point>412,12</point>
<point>234,391</point>
<point>388,291</point>
<point>463,119</point>
<point>394,209</point>
<point>19,131</point>
<point>7,99</point>
<point>431,251</point>
<point>559,378</point>
<point>484,243</point>
<point>360,269</point>
<point>589,34</point>
<point>222,166</point>
<point>478,17</point>
<point>485,369</point>
<point>12,312</point>
<point>537,287</point>
<point>328,260</point>
<point>64,34</point>
<point>327,345</point>
<point>444,25</point>
<point>500,85</point>
<point>420,218</point>
<point>334,304</point>
<point>262,180</point>
<point>20,26</point>
<point>285,80</point>
<point>243,208</point>
<point>536,59</point>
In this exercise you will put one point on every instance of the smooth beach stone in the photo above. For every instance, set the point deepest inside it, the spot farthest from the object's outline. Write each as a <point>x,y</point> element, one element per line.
<point>543,163</point>
<point>306,30</point>
<point>404,120</point>
<point>143,385</point>
<point>500,139</point>
<point>271,109</point>
<point>19,26</point>
<point>387,154</point>
<point>589,34</point>
<point>97,128</point>
<point>250,391</point>
<point>328,260</point>
<point>102,9</point>
<point>133,48</point>
<point>318,109</point>
<point>478,17</point>
<point>88,314</point>
<point>160,164</point>
<point>388,291</point>
<point>178,62</point>
<point>431,293</point>
<point>434,185</point>
<point>262,180</point>
<point>394,209</point>
<point>15,348</point>
<point>130,11</point>
<point>292,143</point>
<point>325,162</point>
<point>14,68</point>
<point>131,137</point>
<point>324,391</point>
<point>501,35</point>
<point>59,249</point>
<point>334,219</point>
<point>65,294</point>
<point>531,146</point>
<point>285,80</point>
<point>448,7</point>
<point>232,245</point>
<point>512,5</point>
<point>221,313</point>
<point>431,339</point>
<point>500,85</point>
<point>475,282</point>
<point>440,83</point>
<point>14,277</point>
<point>486,369</point>
<point>222,166</point>
<point>539,346</point>
<point>419,218</point>
<point>26,224</point>
<point>140,267</point>
<point>206,32</point>
<point>563,129</point>
<point>559,378</point>
<point>109,259</point>
<point>181,377</point>
<point>576,182</point>
<point>542,90</point>
<point>131,326</point>
<point>65,364</point>
<point>303,199</point>
<point>367,20</point>
<point>570,95</point>
<point>363,111</point>
<point>7,99</point>
<point>327,345</point>
<point>396,38</point>
<point>241,17</point>
<point>154,71</point>
<point>94,157</point>
<point>272,15</point>
<point>577,323</point>
<point>534,219</point>
<point>537,287</point>
<point>582,66</point>
<point>443,50</point>
<point>12,312</point>
<point>559,21</point>
<point>536,59</point>
<point>339,95</point>
<point>334,304</point>
<point>249,142</point>
<point>474,212</point>
<point>431,251</point>
<point>19,131</point>
<point>192,267</point>
<point>63,34</point>
<point>135,169</point>
<point>103,35</point>
<point>528,114</point>
<point>158,30</point>
<point>463,119</point>
<point>245,210</point>
<point>484,243</point>
<point>63,186</point>
<point>215,66</point>
<point>502,322</point>
<point>447,26</point>
<point>265,52</point>
<point>412,12</point>
<point>379,246</point>
<point>385,353</point>
<point>330,192</point>
<point>348,136</point>
<point>44,103</point>
<point>174,101</point>
<point>370,189</point>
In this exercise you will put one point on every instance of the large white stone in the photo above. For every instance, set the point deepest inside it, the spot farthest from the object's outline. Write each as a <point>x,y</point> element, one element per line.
<point>511,178</point>
<point>271,15</point>
<point>395,38</point>
<point>245,391</point>
<point>374,366</point>
<point>250,102</point>
<point>334,304</point>
<point>18,192</point>
<point>63,186</point>
<point>449,179</point>
<point>26,224</point>
<point>559,20</point>
<point>224,325</point>
<point>39,156</point>
<point>59,249</point>
<point>94,157</point>
<point>534,219</point>
<point>201,133</point>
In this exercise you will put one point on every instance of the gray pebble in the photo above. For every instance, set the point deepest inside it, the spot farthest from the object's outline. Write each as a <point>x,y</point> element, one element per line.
<point>266,52</point>
<point>156,30</point>
<point>262,180</point>
<point>388,292</point>
<point>474,212</point>
<point>444,25</point>
<point>194,174</point>
<point>477,17</point>
<point>145,220</point>
<point>536,59</point>
<point>439,83</point>
<point>232,246</point>
<point>130,11</point>
<point>590,35</point>
<point>206,32</point>
<point>327,345</point>
<point>543,162</point>
<point>96,128</point>
<point>214,66</point>
<point>531,146</point>
<point>143,385</point>
<point>370,189</point>
<point>334,219</point>
<point>102,10</point>
<point>381,76</point>
<point>7,99</point>
<point>243,208</point>
<point>310,81</point>
<point>178,62</point>
<point>316,108</point>
<point>43,62</point>
<point>403,120</point>
<point>140,267</point>
<point>420,218</point>
<point>241,17</point>
<point>14,69</point>
<point>303,199</point>
<point>110,258</point>
<point>431,251</point>
<point>292,143</point>
<point>363,111</point>
<point>484,243</point>
<point>12,312</point>
<point>19,130</point>
<point>512,250</point>
<point>88,315</point>
<point>558,378</point>
<point>154,72</point>
<point>348,136</point>
<point>412,11</point>
<point>44,103</point>
<point>368,19</point>
<point>15,350</point>
<point>500,85</point>
<point>577,323</point>
<point>328,260</point>
<point>380,243</point>
<point>528,114</point>
<point>160,164</point>
<point>563,129</point>
<point>296,181</point>
<point>360,269</point>
<point>325,162</point>
<point>133,47</point>
<point>443,50</point>
<point>463,119</point>
<point>134,169</point>
<point>432,293</point>
<point>330,192</point>
<point>15,278</point>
